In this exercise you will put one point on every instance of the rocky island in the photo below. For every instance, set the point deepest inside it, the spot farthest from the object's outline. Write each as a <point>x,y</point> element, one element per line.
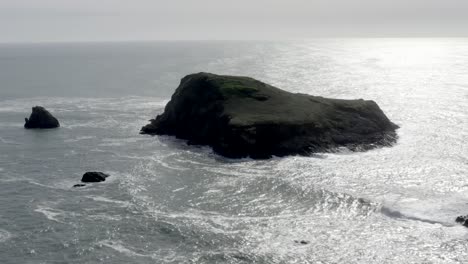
<point>94,176</point>
<point>243,117</point>
<point>41,118</point>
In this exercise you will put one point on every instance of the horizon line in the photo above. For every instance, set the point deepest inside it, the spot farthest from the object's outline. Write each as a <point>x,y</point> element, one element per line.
<point>224,40</point>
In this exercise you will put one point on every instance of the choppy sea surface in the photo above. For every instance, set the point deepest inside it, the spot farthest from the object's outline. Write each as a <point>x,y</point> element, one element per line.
<point>166,202</point>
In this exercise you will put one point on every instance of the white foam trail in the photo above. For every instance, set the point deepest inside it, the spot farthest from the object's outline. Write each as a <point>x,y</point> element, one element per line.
<point>112,144</point>
<point>79,138</point>
<point>50,213</point>
<point>13,179</point>
<point>107,200</point>
<point>213,191</point>
<point>123,140</point>
<point>40,184</point>
<point>156,159</point>
<point>119,247</point>
<point>105,217</point>
<point>61,185</point>
<point>4,235</point>
<point>178,189</point>
<point>5,141</point>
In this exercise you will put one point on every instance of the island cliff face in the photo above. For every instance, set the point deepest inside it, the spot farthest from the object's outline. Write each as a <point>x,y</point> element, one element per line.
<point>241,117</point>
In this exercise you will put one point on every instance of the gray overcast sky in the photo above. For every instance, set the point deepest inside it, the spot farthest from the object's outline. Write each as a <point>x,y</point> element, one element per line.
<point>102,20</point>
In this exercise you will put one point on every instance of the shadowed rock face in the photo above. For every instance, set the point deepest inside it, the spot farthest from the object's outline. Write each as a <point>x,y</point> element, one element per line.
<point>240,117</point>
<point>41,118</point>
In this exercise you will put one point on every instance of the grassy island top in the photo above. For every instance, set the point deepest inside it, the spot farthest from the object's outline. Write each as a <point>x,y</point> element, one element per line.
<point>249,101</point>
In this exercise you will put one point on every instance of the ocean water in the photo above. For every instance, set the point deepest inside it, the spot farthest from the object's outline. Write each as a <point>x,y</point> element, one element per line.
<point>166,202</point>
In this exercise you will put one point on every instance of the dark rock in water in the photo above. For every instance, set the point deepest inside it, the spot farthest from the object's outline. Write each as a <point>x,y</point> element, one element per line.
<point>79,185</point>
<point>94,176</point>
<point>41,118</point>
<point>462,220</point>
<point>240,117</point>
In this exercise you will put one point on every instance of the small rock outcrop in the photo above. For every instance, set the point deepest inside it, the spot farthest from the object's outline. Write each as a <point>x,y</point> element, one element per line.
<point>241,116</point>
<point>462,220</point>
<point>94,176</point>
<point>41,118</point>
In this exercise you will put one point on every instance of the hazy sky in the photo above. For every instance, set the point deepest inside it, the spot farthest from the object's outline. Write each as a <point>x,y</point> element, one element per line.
<point>101,20</point>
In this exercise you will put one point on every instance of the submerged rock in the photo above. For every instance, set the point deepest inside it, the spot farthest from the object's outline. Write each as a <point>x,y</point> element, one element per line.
<point>41,118</point>
<point>462,220</point>
<point>302,242</point>
<point>241,116</point>
<point>94,176</point>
